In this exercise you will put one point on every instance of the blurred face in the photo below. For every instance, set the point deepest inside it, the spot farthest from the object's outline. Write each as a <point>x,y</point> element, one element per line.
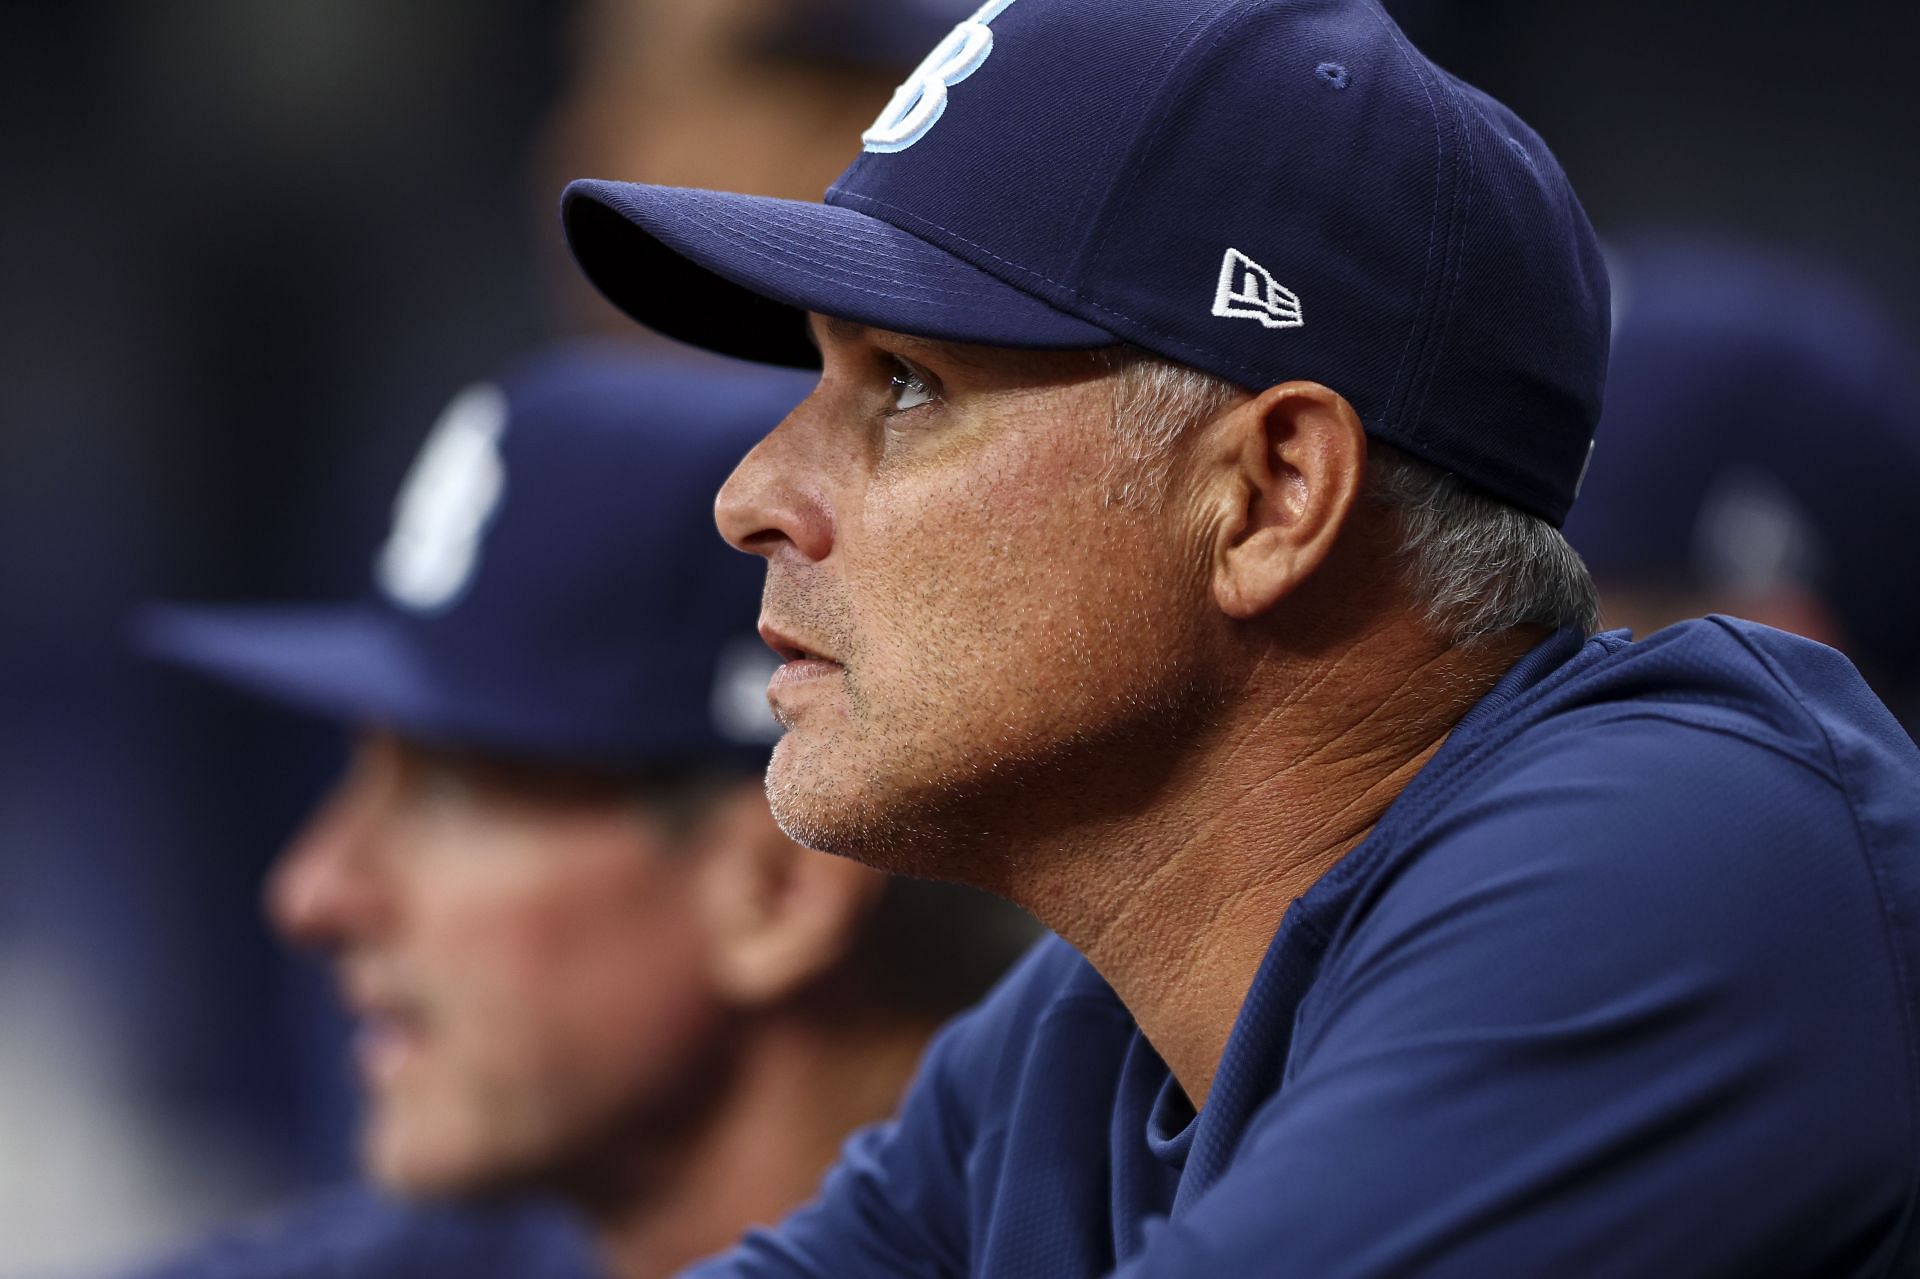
<point>521,956</point>
<point>686,95</point>
<point>979,638</point>
<point>682,93</point>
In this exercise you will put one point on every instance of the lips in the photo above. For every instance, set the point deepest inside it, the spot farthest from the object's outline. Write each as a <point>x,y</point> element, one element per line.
<point>385,1044</point>
<point>791,649</point>
<point>389,1031</point>
<point>802,662</point>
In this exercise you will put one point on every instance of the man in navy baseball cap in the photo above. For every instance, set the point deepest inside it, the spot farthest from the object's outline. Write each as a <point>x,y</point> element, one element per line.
<point>582,959</point>
<point>1259,191</point>
<point>1709,496</point>
<point>1171,545</point>
<point>550,586</point>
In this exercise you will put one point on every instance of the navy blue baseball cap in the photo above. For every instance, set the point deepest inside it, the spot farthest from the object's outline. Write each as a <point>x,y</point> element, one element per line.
<point>1262,189</point>
<point>553,587</point>
<point>1762,428</point>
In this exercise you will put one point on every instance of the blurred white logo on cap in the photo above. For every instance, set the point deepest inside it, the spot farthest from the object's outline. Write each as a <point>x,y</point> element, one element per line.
<point>1248,291</point>
<point>918,104</point>
<point>739,706</point>
<point>445,504</point>
<point>1753,535</point>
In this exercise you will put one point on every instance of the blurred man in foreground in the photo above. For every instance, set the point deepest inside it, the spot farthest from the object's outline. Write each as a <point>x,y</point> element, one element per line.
<point>1759,456</point>
<point>583,959</point>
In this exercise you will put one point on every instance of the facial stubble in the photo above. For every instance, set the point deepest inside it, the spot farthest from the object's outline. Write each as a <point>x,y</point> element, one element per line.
<point>1089,738</point>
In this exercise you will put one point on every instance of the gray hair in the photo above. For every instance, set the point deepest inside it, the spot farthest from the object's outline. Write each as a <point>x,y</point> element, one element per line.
<point>1474,565</point>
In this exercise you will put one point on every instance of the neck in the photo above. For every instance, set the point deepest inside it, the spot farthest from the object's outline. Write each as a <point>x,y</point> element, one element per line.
<point>796,1090</point>
<point>1175,903</point>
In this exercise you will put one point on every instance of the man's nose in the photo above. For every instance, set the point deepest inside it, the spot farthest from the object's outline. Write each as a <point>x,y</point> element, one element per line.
<point>774,499</point>
<point>327,888</point>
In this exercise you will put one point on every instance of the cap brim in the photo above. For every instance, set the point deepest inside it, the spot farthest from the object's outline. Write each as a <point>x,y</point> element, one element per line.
<point>736,273</point>
<point>341,663</point>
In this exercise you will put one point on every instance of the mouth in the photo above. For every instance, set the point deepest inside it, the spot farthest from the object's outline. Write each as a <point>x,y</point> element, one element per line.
<point>790,649</point>
<point>801,662</point>
<point>389,1035</point>
<point>385,1045</point>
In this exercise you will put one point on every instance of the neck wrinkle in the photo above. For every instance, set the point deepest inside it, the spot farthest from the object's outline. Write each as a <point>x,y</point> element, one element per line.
<point>1176,907</point>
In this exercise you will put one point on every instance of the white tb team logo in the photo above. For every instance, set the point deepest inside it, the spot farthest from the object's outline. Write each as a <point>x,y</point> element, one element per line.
<point>444,507</point>
<point>918,104</point>
<point>1248,291</point>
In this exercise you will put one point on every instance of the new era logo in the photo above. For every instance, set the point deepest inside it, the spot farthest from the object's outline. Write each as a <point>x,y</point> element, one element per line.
<point>1248,291</point>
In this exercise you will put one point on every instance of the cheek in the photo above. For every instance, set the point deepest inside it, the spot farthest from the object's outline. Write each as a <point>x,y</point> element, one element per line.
<point>569,964</point>
<point>563,988</point>
<point>1016,586</point>
<point>960,550</point>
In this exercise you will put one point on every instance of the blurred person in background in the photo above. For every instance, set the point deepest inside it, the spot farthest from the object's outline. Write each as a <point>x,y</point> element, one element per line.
<point>584,962</point>
<point>1759,456</point>
<point>162,1075</point>
<point>762,96</point>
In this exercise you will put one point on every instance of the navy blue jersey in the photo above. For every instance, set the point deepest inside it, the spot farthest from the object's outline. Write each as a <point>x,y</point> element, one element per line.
<point>357,1234</point>
<point>1621,984</point>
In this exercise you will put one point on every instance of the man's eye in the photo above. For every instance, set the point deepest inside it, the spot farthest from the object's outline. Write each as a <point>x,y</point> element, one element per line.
<point>910,391</point>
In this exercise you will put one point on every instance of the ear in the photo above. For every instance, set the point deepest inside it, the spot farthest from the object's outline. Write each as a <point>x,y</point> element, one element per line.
<point>1285,469</point>
<point>777,916</point>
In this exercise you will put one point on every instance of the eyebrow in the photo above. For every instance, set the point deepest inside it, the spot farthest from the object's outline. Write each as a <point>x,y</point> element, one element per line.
<point>845,330</point>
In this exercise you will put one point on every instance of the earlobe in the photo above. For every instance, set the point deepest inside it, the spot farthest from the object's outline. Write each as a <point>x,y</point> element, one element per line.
<point>1292,462</point>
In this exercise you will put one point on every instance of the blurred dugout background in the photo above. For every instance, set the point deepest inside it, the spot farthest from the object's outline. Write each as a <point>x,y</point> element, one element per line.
<point>247,250</point>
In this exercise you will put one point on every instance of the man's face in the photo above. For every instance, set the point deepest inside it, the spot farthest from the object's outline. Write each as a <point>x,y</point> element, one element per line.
<point>521,956</point>
<point>1007,645</point>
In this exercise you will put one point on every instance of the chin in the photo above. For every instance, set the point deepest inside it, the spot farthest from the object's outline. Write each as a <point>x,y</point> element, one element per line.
<point>422,1161</point>
<point>414,1173</point>
<point>842,825</point>
<point>977,800</point>
<point>947,826</point>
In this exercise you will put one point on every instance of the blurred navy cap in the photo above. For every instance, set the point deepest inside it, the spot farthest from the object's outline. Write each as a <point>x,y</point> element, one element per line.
<point>553,587</point>
<point>1263,189</point>
<point>1762,426</point>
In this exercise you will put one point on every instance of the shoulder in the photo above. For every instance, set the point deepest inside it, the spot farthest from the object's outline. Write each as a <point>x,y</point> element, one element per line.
<point>1687,789</point>
<point>1694,853</point>
<point>1649,927</point>
<point>1799,698</point>
<point>356,1231</point>
<point>1642,827</point>
<point>1714,749</point>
